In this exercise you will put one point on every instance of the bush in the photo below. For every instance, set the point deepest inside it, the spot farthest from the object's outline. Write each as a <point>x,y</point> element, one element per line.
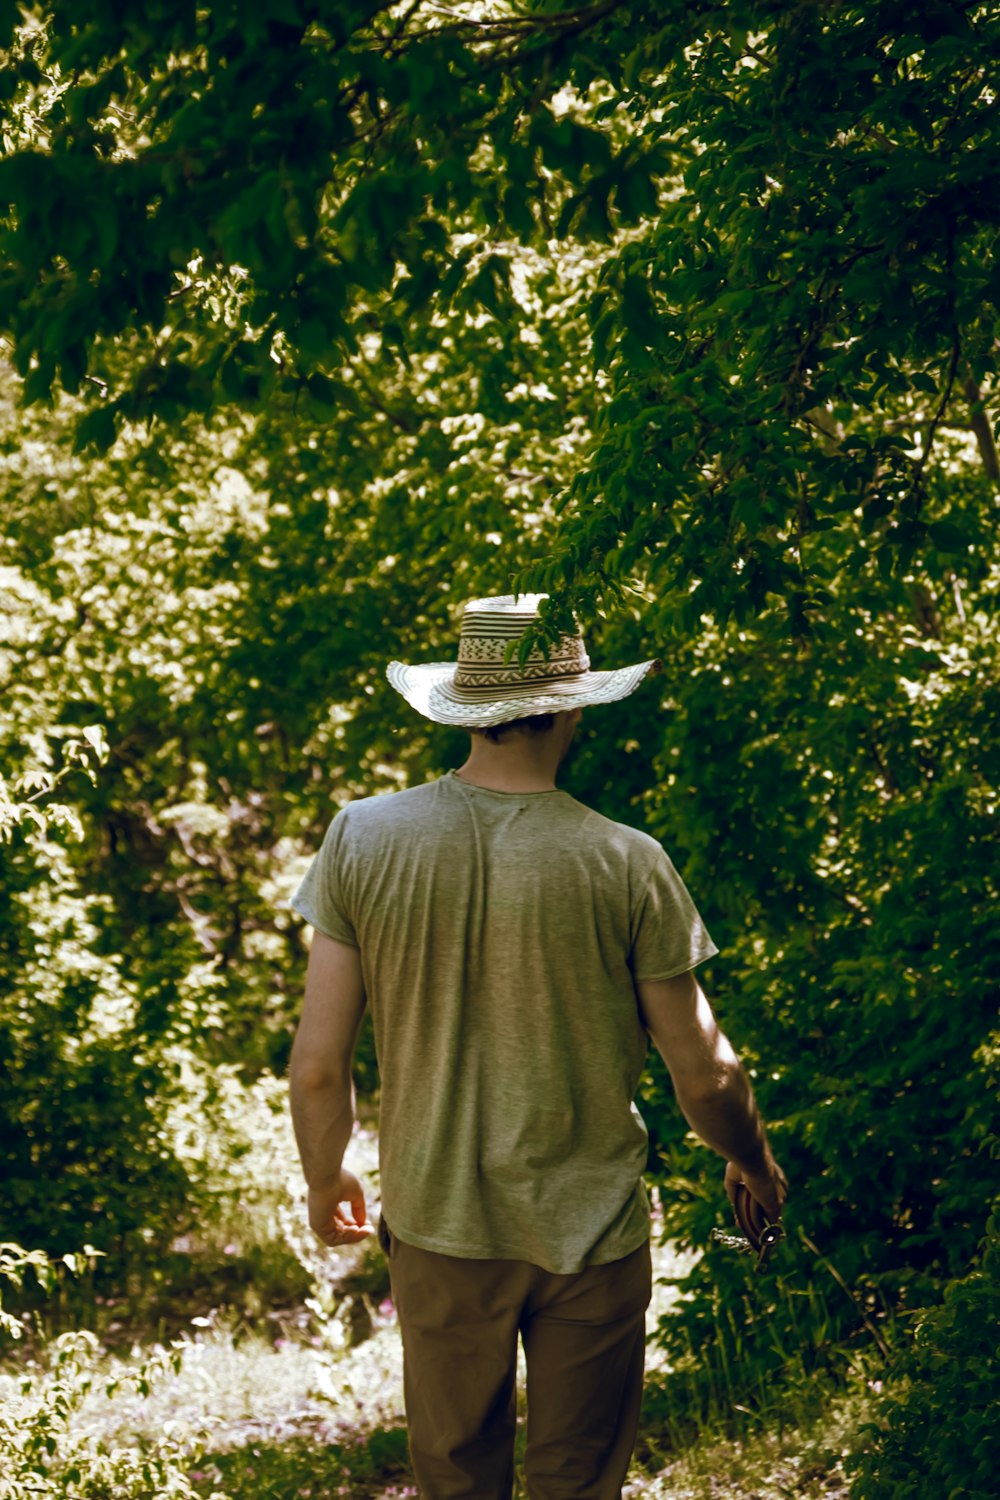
<point>832,807</point>
<point>935,1429</point>
<point>41,1455</point>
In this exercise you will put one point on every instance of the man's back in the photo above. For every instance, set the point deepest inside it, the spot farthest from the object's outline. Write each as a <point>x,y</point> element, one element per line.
<point>501,934</point>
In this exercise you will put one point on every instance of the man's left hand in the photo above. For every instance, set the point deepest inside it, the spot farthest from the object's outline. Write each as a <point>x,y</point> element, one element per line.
<point>331,1221</point>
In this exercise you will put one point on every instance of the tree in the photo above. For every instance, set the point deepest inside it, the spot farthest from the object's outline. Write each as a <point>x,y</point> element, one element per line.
<point>224,601</point>
<point>694,309</point>
<point>805,301</point>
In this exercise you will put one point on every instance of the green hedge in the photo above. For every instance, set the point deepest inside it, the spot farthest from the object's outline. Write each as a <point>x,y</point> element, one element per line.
<point>935,1430</point>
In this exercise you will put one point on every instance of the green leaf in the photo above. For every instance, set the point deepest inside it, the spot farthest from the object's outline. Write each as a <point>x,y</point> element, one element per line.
<point>95,736</point>
<point>885,562</point>
<point>313,339</point>
<point>73,365</point>
<point>38,382</point>
<point>96,430</point>
<point>947,536</point>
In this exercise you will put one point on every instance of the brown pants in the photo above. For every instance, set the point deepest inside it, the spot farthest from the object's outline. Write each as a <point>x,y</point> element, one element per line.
<point>584,1342</point>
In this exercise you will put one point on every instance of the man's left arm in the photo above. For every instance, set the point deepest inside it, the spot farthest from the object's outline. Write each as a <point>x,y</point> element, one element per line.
<point>322,1089</point>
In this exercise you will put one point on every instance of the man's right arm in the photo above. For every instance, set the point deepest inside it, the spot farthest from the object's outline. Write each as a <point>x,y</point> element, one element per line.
<point>712,1088</point>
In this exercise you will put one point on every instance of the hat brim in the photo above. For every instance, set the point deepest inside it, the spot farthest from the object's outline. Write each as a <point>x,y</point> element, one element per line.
<point>429,689</point>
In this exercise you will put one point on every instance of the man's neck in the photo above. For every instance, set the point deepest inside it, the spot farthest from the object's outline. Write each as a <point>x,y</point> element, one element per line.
<point>507,774</point>
<point>520,762</point>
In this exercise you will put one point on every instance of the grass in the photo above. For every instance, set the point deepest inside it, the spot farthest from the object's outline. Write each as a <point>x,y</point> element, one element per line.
<point>246,1389</point>
<point>310,1406</point>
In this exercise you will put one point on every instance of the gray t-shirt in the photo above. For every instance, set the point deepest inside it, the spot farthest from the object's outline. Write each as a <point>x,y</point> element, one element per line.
<point>501,934</point>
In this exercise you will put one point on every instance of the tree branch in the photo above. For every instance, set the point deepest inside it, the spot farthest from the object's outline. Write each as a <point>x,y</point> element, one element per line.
<point>404,423</point>
<point>980,424</point>
<point>935,422</point>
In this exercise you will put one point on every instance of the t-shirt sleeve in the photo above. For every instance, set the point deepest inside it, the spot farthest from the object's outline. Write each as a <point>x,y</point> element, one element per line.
<point>320,897</point>
<point>668,934</point>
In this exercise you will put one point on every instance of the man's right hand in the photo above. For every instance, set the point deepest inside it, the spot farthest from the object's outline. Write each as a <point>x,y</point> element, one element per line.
<point>327,1218</point>
<point>768,1184</point>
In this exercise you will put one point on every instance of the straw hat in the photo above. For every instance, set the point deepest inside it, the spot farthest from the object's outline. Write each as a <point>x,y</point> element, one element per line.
<point>481,689</point>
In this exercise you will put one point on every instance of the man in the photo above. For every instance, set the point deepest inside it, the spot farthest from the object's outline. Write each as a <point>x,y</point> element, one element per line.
<point>517,949</point>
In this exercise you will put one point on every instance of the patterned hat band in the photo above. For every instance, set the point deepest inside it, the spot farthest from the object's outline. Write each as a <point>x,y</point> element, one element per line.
<point>482,688</point>
<point>486,639</point>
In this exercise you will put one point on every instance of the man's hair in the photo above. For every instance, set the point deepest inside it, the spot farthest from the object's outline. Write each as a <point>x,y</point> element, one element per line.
<point>532,724</point>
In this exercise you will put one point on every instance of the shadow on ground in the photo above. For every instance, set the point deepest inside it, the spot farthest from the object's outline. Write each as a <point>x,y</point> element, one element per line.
<point>308,1470</point>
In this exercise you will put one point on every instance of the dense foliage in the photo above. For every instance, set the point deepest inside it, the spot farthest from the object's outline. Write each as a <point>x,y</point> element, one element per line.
<point>934,1431</point>
<point>685,313</point>
<point>797,293</point>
